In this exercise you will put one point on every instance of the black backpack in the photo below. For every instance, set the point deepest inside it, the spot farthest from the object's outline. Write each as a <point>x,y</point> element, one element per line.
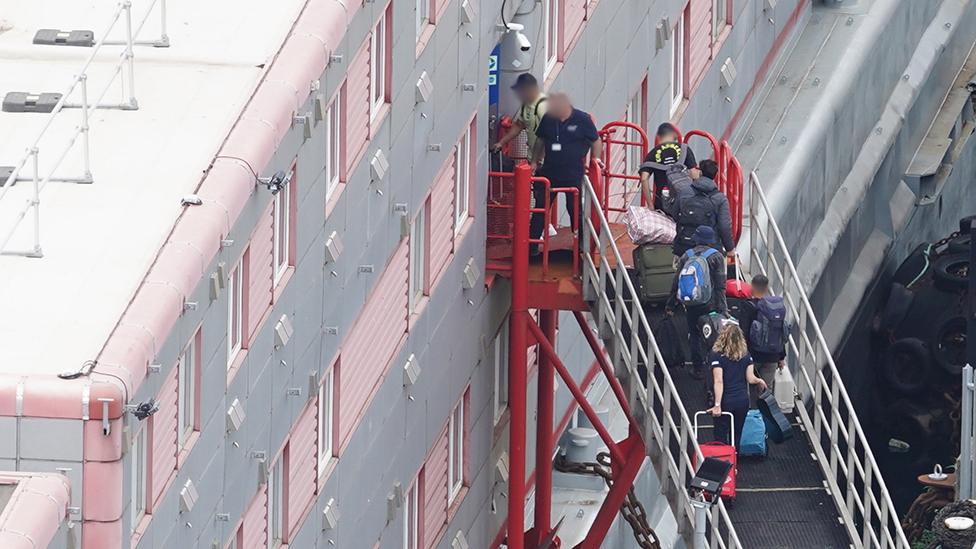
<point>696,209</point>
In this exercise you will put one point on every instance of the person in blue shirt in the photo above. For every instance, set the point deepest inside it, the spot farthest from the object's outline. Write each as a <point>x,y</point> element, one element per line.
<point>564,138</point>
<point>732,374</point>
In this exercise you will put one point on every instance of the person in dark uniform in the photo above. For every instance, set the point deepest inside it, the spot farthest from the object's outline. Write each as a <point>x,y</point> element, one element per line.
<point>564,137</point>
<point>732,374</point>
<point>669,150</point>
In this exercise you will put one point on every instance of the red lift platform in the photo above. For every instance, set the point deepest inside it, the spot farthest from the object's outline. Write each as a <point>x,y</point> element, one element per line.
<point>554,280</point>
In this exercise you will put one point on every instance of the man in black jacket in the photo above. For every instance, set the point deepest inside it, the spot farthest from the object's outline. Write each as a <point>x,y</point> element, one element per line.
<point>704,238</point>
<point>766,363</point>
<point>669,150</point>
<point>702,204</point>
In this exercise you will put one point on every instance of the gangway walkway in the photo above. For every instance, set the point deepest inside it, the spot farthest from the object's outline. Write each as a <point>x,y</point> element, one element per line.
<point>822,489</point>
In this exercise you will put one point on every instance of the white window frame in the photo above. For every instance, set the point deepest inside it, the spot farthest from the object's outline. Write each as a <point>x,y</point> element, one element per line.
<point>462,179</point>
<point>276,504</point>
<point>500,350</point>
<point>235,311</point>
<point>422,16</point>
<point>418,259</point>
<point>635,110</point>
<point>550,24</point>
<point>377,66</point>
<point>411,517</point>
<point>720,17</point>
<point>186,381</point>
<point>333,142</point>
<point>281,239</point>
<point>326,419</point>
<point>455,452</point>
<point>138,488</point>
<point>678,64</point>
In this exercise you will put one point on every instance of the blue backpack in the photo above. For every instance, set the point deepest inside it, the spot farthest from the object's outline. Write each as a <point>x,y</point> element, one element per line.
<point>695,280</point>
<point>770,330</point>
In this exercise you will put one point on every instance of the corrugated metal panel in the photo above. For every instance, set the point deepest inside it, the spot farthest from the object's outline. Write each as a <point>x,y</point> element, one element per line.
<point>260,270</point>
<point>256,522</point>
<point>442,219</point>
<point>699,40</point>
<point>435,490</point>
<point>357,106</point>
<point>374,339</point>
<point>164,435</point>
<point>573,12</point>
<point>302,466</point>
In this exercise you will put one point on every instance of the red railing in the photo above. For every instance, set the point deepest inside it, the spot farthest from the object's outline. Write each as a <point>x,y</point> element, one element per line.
<point>609,135</point>
<point>501,220</point>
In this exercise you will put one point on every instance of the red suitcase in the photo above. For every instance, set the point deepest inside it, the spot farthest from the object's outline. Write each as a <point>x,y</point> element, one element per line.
<point>720,450</point>
<point>738,288</point>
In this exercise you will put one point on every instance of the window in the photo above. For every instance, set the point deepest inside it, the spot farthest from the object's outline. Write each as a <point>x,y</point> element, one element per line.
<point>550,21</point>
<point>462,177</point>
<point>423,16</point>
<point>379,54</point>
<point>678,64</point>
<point>455,452</point>
<point>235,312</point>
<point>186,371</point>
<point>282,228</point>
<point>333,140</point>
<point>500,367</point>
<point>137,464</point>
<point>720,17</point>
<point>411,515</point>
<point>276,503</point>
<point>635,115</point>
<point>326,417</point>
<point>418,256</point>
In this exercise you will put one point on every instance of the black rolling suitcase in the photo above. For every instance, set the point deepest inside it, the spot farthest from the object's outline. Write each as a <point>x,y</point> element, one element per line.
<point>777,424</point>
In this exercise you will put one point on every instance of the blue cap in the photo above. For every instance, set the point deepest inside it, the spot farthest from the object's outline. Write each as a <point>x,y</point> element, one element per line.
<point>704,235</point>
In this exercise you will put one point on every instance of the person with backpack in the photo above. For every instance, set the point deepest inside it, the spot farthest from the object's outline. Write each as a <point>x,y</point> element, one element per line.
<point>702,204</point>
<point>699,285</point>
<point>763,317</point>
<point>733,373</point>
<point>528,116</point>
<point>669,162</point>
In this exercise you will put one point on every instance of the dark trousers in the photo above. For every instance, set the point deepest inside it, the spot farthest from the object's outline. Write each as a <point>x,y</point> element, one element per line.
<point>739,409</point>
<point>538,222</point>
<point>696,342</point>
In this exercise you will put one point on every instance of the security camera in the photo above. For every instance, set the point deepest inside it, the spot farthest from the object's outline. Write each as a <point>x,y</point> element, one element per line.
<point>523,41</point>
<point>276,182</point>
<point>146,409</point>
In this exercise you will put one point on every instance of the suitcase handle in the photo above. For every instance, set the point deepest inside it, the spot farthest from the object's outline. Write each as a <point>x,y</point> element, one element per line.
<point>731,424</point>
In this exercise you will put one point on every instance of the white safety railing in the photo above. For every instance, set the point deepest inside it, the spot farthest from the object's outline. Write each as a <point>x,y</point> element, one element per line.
<point>668,434</point>
<point>967,437</point>
<point>124,68</point>
<point>830,420</point>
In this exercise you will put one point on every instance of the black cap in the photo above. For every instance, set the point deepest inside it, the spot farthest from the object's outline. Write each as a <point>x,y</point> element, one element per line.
<point>524,80</point>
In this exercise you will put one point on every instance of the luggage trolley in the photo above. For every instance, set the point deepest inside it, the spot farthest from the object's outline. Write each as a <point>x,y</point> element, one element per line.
<point>722,451</point>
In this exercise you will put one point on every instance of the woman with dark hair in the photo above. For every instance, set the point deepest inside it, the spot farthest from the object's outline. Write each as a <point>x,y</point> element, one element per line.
<point>732,373</point>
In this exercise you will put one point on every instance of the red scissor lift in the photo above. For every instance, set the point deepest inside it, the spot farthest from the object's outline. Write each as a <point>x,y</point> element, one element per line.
<point>552,283</point>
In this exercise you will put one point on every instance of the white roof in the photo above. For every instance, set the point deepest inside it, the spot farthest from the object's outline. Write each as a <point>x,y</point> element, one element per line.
<point>98,240</point>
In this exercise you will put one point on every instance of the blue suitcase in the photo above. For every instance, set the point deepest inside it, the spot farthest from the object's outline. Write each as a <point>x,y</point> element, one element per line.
<point>753,442</point>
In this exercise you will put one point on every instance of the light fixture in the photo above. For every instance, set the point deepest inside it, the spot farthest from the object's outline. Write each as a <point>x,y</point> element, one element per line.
<point>330,515</point>
<point>283,331</point>
<point>235,416</point>
<point>471,275</point>
<point>333,247</point>
<point>411,371</point>
<point>188,496</point>
<point>425,88</point>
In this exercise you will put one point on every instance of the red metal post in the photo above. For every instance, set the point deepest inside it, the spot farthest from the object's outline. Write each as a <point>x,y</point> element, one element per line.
<point>517,367</point>
<point>544,439</point>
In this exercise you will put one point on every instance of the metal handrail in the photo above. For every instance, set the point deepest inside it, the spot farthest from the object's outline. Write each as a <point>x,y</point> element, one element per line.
<point>668,434</point>
<point>125,64</point>
<point>842,450</point>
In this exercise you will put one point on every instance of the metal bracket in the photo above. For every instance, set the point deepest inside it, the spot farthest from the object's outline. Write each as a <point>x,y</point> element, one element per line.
<point>106,424</point>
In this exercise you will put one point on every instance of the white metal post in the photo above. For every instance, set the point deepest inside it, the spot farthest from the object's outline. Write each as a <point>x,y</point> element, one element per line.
<point>130,55</point>
<point>87,176</point>
<point>701,522</point>
<point>966,463</point>
<point>36,203</point>
<point>163,36</point>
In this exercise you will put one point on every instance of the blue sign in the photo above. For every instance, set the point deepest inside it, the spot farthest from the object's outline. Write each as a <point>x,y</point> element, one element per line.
<point>493,76</point>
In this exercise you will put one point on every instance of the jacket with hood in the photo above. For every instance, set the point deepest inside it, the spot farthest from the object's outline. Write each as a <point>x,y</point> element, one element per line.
<point>723,217</point>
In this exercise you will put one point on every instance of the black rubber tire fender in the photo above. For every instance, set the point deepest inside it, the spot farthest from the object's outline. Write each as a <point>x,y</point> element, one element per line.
<point>951,272</point>
<point>906,365</point>
<point>949,347</point>
<point>959,244</point>
<point>896,308</point>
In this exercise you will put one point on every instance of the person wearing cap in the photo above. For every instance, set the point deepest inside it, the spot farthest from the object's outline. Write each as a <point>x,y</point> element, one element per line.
<point>528,116</point>
<point>669,150</point>
<point>704,240</point>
